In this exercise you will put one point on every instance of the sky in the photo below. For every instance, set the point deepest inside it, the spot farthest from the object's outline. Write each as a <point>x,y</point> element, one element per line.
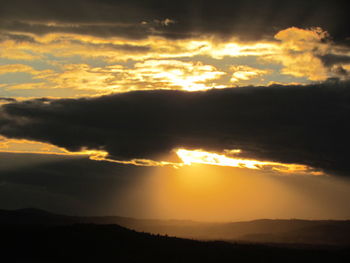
<point>201,110</point>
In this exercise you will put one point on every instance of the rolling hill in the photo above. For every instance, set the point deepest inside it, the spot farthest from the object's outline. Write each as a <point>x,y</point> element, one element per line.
<point>306,232</point>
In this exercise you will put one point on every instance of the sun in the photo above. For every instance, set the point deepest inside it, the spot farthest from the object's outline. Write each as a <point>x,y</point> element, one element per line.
<point>189,157</point>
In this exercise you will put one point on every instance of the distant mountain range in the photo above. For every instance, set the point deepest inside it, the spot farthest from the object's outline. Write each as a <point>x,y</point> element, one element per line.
<point>33,236</point>
<point>294,231</point>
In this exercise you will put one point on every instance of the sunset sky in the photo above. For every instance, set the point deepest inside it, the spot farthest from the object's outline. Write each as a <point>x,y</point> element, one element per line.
<point>202,110</point>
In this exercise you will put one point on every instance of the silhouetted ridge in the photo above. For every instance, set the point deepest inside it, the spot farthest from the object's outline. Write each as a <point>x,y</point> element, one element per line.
<point>295,231</point>
<point>32,211</point>
<point>111,243</point>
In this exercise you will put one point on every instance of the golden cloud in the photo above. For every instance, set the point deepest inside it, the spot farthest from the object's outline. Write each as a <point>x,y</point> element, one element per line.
<point>118,49</point>
<point>246,73</point>
<point>190,157</point>
<point>160,63</point>
<point>34,147</point>
<point>15,68</point>
<point>300,51</point>
<point>187,157</point>
<point>175,74</point>
<point>150,74</point>
<point>27,146</point>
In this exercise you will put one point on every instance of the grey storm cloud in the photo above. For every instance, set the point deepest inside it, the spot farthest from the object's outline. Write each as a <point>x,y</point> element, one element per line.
<point>332,59</point>
<point>4,99</point>
<point>248,19</point>
<point>64,183</point>
<point>292,124</point>
<point>17,38</point>
<point>335,64</point>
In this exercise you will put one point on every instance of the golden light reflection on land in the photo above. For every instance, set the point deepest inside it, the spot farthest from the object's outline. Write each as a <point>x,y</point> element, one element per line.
<point>206,186</point>
<point>219,193</point>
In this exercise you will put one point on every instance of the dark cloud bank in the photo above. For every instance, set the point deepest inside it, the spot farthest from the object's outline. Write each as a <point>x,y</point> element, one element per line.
<point>307,125</point>
<point>248,19</point>
<point>68,184</point>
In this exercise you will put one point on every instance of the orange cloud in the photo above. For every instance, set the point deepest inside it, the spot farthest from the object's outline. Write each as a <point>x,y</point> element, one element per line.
<point>190,157</point>
<point>27,146</point>
<point>300,51</point>
<point>150,74</point>
<point>119,49</point>
<point>187,157</point>
<point>191,76</point>
<point>15,68</point>
<point>246,73</point>
<point>35,147</point>
<point>160,63</point>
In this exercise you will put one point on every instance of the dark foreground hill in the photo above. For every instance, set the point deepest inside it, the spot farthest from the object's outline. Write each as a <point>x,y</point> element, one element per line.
<point>311,232</point>
<point>111,243</point>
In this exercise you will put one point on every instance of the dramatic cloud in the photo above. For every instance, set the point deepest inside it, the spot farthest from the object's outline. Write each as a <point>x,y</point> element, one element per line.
<point>290,124</point>
<point>338,64</point>
<point>72,65</point>
<point>300,48</point>
<point>15,68</point>
<point>7,100</point>
<point>150,74</point>
<point>246,73</point>
<point>331,59</point>
<point>69,184</point>
<point>76,185</point>
<point>25,146</point>
<point>172,74</point>
<point>136,19</point>
<point>122,49</point>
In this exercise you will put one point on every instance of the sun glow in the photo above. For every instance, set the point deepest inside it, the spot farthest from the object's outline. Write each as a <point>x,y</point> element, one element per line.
<point>190,157</point>
<point>229,158</point>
